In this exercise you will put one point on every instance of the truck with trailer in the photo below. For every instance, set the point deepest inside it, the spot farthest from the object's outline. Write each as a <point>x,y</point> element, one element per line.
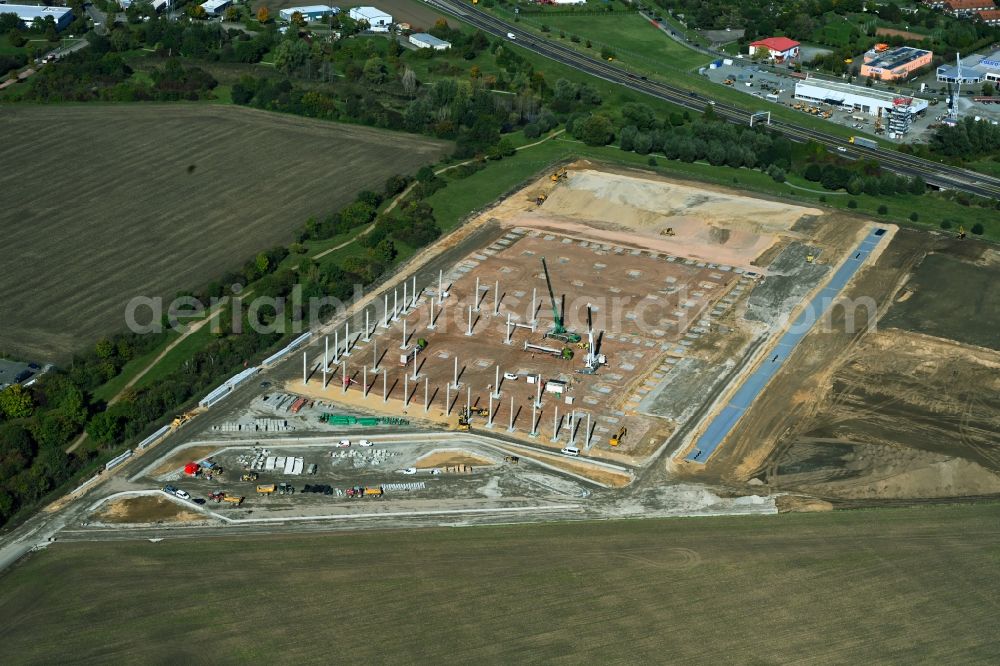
<point>865,143</point>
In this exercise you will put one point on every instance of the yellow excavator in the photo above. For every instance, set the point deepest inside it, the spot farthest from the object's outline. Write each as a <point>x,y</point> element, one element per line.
<point>617,438</point>
<point>558,175</point>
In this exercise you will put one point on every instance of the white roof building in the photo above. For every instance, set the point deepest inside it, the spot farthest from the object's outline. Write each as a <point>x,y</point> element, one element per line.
<point>378,20</point>
<point>424,41</point>
<point>216,7</point>
<point>309,12</point>
<point>63,16</point>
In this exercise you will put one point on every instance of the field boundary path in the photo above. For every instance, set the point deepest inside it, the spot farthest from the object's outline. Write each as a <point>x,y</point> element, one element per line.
<point>193,328</point>
<point>753,384</point>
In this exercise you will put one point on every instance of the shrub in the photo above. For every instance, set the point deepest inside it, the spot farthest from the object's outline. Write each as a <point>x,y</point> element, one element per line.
<point>914,216</point>
<point>883,209</point>
<point>977,229</point>
<point>651,161</point>
<point>945,224</point>
<point>822,198</point>
<point>853,203</point>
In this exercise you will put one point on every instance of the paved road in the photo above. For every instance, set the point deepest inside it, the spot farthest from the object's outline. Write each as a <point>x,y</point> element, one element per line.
<point>753,385</point>
<point>936,174</point>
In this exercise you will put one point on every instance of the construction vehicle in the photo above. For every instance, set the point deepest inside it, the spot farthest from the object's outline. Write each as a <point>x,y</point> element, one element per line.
<point>481,411</point>
<point>183,418</point>
<point>249,476</point>
<point>558,175</point>
<point>961,233</point>
<point>669,231</point>
<point>617,438</point>
<point>233,499</point>
<point>285,488</point>
<point>540,199</point>
<point>464,420</point>
<point>558,331</point>
<point>216,496</point>
<point>513,460</point>
<point>373,492</point>
<point>266,489</point>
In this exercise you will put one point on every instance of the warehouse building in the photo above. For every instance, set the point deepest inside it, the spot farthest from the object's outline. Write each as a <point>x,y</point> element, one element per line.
<point>895,64</point>
<point>63,16</point>
<point>974,69</point>
<point>216,7</point>
<point>309,12</point>
<point>378,20</point>
<point>898,111</point>
<point>778,49</point>
<point>424,41</point>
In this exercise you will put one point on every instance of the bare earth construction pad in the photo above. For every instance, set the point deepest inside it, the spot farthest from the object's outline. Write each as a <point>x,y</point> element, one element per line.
<point>123,201</point>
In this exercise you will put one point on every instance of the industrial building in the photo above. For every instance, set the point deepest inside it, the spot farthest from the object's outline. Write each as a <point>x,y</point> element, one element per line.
<point>778,49</point>
<point>424,41</point>
<point>972,69</point>
<point>898,112</point>
<point>377,20</point>
<point>895,64</point>
<point>155,5</point>
<point>216,7</point>
<point>63,16</point>
<point>309,12</point>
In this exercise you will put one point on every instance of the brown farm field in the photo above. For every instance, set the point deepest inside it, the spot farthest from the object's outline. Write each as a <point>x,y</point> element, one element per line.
<point>104,203</point>
<point>882,586</point>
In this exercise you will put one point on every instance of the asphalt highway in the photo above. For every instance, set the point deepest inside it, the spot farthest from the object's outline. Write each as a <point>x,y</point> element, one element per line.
<point>938,175</point>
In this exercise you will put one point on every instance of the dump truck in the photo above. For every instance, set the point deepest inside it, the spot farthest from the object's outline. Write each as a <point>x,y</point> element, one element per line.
<point>266,489</point>
<point>866,143</point>
<point>235,500</point>
<point>373,492</point>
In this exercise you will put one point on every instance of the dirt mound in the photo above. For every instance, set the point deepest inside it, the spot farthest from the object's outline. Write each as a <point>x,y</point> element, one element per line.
<point>949,478</point>
<point>145,509</point>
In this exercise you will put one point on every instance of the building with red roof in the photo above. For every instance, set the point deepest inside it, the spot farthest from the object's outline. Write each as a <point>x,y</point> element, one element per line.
<point>778,49</point>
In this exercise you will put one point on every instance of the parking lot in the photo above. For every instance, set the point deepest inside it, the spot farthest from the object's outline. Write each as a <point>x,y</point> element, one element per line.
<point>777,88</point>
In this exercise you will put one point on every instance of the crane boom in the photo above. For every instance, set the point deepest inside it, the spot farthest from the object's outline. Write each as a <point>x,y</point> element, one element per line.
<point>557,322</point>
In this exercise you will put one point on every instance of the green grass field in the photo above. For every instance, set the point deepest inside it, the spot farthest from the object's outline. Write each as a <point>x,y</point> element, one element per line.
<point>630,36</point>
<point>890,585</point>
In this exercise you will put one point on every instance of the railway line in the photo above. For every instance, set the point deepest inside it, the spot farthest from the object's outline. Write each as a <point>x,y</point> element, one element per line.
<point>935,174</point>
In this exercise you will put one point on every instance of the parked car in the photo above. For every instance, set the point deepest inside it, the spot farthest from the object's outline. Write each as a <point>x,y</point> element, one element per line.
<point>409,470</point>
<point>183,494</point>
<point>365,442</point>
<point>510,375</point>
<point>570,451</point>
<point>344,443</point>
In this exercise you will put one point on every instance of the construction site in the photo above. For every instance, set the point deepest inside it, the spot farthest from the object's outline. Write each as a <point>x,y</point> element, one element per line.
<point>604,344</point>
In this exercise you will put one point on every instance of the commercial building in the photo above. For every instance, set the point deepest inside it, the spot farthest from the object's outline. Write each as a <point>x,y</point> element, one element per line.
<point>897,111</point>
<point>63,16</point>
<point>973,69</point>
<point>424,41</point>
<point>895,64</point>
<point>378,20</point>
<point>309,12</point>
<point>216,7</point>
<point>778,49</point>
